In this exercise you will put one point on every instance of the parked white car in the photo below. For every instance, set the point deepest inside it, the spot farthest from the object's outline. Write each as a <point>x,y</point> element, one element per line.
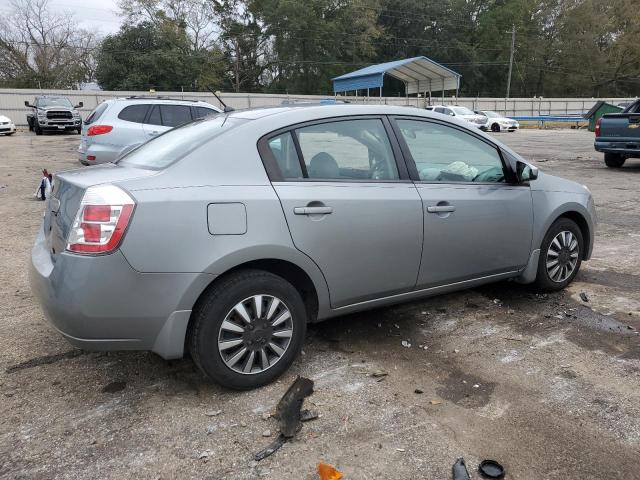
<point>7,126</point>
<point>498,123</point>
<point>462,113</point>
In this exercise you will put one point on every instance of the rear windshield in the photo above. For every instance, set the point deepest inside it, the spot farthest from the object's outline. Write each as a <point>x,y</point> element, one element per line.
<point>178,142</point>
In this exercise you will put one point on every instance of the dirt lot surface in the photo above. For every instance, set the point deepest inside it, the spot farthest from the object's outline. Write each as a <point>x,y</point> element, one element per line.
<point>549,385</point>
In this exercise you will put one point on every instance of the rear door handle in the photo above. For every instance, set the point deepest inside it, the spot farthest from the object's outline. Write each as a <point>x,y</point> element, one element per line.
<point>312,210</point>
<point>441,208</point>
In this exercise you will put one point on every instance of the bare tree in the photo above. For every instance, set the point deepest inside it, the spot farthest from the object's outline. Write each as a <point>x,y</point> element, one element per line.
<point>197,17</point>
<point>42,48</point>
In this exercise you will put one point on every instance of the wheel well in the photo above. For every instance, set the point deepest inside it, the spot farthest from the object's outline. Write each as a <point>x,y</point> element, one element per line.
<point>293,274</point>
<point>584,228</point>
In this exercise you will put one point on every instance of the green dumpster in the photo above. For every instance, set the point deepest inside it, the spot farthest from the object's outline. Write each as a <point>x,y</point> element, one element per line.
<point>598,110</point>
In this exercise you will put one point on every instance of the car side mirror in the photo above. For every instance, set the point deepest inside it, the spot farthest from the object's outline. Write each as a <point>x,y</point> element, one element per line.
<point>27,104</point>
<point>452,114</point>
<point>79,105</point>
<point>527,172</point>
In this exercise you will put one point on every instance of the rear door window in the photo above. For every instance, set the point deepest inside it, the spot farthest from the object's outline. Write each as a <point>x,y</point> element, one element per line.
<point>284,151</point>
<point>174,115</point>
<point>348,149</point>
<point>134,113</point>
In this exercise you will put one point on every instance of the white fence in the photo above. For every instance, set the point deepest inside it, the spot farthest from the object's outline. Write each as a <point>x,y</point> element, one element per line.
<point>12,101</point>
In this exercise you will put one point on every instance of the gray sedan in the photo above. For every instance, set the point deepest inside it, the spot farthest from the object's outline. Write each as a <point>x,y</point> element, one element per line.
<point>226,236</point>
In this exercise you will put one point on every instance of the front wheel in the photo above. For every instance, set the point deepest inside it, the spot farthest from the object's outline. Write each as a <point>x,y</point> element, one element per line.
<point>495,128</point>
<point>248,329</point>
<point>614,160</point>
<point>560,255</point>
<point>37,129</point>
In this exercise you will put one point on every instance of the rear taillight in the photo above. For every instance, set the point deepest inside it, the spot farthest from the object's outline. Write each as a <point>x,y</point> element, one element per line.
<point>101,220</point>
<point>99,130</point>
<point>598,126</point>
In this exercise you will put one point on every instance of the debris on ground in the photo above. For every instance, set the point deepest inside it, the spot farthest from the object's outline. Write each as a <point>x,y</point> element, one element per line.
<point>266,433</point>
<point>289,415</point>
<point>205,454</point>
<point>491,469</point>
<point>418,391</point>
<point>308,415</point>
<point>406,344</point>
<point>213,413</point>
<point>584,297</point>
<point>436,402</point>
<point>270,449</point>
<point>327,472</point>
<point>288,409</point>
<point>459,470</point>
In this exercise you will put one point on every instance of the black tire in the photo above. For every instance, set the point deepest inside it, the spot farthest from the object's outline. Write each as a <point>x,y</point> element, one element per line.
<point>214,307</point>
<point>544,281</point>
<point>614,160</point>
<point>30,124</point>
<point>495,128</point>
<point>79,130</point>
<point>10,133</point>
<point>37,129</point>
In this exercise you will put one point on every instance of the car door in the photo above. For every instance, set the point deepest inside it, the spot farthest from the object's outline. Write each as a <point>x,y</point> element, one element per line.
<point>478,219</point>
<point>350,205</point>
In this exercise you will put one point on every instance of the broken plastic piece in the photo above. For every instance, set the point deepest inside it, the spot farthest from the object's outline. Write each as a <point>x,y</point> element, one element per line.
<point>272,448</point>
<point>459,470</point>
<point>491,469</point>
<point>327,472</point>
<point>288,409</point>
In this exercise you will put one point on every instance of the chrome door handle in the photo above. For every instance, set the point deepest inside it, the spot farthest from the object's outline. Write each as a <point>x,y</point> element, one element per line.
<point>441,209</point>
<point>312,210</point>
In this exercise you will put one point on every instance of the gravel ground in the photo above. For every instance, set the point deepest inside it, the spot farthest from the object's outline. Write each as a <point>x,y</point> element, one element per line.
<point>549,385</point>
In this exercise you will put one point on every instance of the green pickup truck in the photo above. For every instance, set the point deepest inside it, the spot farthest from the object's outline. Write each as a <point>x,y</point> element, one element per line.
<point>618,135</point>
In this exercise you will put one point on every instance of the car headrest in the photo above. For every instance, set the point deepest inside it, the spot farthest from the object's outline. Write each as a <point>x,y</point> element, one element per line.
<point>323,165</point>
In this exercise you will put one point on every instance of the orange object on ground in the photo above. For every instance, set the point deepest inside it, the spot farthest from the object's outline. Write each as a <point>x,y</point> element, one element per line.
<point>327,472</point>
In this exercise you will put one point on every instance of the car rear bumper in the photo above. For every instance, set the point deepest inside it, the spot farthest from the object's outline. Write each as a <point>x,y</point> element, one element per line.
<point>102,303</point>
<point>95,154</point>
<point>630,149</point>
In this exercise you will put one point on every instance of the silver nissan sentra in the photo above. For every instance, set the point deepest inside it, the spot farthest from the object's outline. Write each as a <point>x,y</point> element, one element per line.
<point>226,236</point>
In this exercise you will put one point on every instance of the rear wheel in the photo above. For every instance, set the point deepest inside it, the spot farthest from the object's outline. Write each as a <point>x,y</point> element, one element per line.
<point>495,127</point>
<point>248,329</point>
<point>614,160</point>
<point>560,255</point>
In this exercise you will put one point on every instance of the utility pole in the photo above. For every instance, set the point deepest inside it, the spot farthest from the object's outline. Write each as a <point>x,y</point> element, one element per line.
<point>513,46</point>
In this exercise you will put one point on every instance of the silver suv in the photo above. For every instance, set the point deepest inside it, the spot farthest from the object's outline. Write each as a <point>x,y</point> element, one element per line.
<point>119,125</point>
<point>226,236</point>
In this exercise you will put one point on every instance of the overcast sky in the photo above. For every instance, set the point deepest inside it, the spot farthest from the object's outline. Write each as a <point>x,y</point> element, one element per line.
<point>99,15</point>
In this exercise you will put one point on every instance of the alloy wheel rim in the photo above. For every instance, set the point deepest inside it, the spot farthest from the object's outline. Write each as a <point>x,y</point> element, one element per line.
<point>255,334</point>
<point>562,256</point>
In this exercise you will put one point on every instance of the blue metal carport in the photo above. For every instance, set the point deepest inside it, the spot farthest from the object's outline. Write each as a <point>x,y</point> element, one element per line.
<point>419,74</point>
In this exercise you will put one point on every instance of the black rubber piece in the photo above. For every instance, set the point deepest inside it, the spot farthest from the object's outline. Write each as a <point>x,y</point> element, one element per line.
<point>491,469</point>
<point>288,409</point>
<point>543,281</point>
<point>209,315</point>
